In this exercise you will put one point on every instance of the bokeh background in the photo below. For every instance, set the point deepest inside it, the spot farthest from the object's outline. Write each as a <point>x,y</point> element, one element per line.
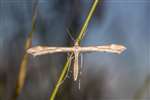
<point>104,76</point>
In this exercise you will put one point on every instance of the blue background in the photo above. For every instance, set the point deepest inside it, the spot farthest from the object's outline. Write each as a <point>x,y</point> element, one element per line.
<point>104,76</point>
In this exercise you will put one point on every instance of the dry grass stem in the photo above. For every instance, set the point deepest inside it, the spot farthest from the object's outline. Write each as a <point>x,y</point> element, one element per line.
<point>24,62</point>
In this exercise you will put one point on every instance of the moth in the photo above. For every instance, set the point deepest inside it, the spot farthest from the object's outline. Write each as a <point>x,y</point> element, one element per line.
<point>76,49</point>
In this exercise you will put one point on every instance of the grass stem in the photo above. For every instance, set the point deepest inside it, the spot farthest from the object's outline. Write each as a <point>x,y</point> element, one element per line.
<point>79,38</point>
<point>24,62</point>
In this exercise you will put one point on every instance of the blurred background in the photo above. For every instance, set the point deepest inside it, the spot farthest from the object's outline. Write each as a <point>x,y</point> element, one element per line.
<point>104,76</point>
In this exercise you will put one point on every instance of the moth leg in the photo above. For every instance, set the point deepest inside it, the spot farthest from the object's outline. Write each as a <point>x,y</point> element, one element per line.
<point>80,71</point>
<point>67,73</point>
<point>68,70</point>
<point>81,63</point>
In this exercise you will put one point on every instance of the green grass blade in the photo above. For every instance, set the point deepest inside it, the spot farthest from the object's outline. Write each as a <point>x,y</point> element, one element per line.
<point>79,38</point>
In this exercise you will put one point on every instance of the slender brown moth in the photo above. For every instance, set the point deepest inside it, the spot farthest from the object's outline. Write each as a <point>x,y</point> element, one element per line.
<point>76,49</point>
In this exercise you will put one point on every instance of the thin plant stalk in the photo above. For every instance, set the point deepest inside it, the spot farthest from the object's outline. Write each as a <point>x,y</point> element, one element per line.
<point>24,62</point>
<point>79,38</point>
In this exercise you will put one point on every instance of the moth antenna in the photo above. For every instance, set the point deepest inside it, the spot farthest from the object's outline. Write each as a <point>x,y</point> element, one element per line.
<point>70,35</point>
